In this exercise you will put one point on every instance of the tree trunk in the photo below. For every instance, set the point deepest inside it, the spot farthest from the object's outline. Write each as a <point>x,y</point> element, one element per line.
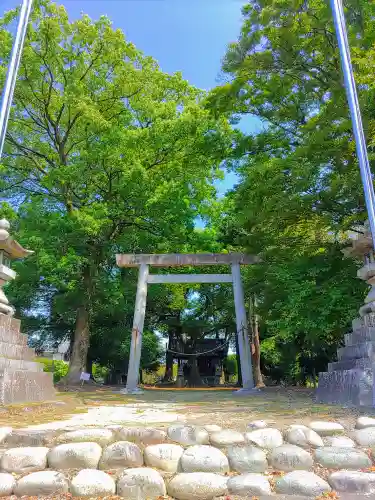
<point>256,356</point>
<point>254,325</point>
<point>168,375</point>
<point>81,344</point>
<point>194,376</point>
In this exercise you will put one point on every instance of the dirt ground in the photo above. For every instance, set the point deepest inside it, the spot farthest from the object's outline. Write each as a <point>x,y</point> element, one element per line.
<point>280,405</point>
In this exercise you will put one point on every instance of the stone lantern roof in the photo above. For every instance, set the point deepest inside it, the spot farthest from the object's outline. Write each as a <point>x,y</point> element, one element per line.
<point>9,245</point>
<point>9,249</point>
<point>361,242</point>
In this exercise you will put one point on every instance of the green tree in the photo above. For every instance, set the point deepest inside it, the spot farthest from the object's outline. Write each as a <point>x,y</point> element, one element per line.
<point>103,151</point>
<point>230,367</point>
<point>299,188</point>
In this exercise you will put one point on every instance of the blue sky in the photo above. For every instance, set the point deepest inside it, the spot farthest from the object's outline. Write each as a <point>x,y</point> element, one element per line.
<point>190,36</point>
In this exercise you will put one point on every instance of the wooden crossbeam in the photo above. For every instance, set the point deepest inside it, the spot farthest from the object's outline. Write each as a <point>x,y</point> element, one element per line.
<point>189,259</point>
<point>189,278</point>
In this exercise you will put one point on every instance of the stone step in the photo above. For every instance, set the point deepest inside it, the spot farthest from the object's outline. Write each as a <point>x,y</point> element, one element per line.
<point>356,351</point>
<point>20,364</point>
<point>13,337</point>
<point>10,331</point>
<point>353,387</point>
<point>9,323</point>
<point>16,351</point>
<point>366,333</point>
<point>349,364</point>
<point>366,321</point>
<point>20,386</point>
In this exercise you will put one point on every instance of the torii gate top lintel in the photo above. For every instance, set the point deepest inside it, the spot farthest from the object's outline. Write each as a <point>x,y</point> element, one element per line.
<point>181,259</point>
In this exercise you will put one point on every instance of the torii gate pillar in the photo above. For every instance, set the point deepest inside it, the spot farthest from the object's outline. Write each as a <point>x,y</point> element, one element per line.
<point>242,333</point>
<point>143,261</point>
<point>137,331</point>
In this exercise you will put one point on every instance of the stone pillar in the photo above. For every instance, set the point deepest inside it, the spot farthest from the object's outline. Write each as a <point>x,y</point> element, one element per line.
<point>137,331</point>
<point>241,323</point>
<point>367,273</point>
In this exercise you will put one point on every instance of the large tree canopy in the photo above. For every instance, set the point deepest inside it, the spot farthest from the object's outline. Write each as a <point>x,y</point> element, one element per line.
<point>299,187</point>
<point>104,153</point>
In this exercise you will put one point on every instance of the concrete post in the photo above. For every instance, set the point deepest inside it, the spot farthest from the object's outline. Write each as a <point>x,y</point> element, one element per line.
<point>241,323</point>
<point>137,331</point>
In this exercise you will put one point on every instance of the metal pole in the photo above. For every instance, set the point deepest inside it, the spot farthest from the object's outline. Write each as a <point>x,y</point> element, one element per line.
<point>11,77</point>
<point>355,112</point>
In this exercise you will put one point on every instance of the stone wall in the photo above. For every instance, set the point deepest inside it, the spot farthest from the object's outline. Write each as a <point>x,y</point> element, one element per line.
<point>22,379</point>
<point>350,380</point>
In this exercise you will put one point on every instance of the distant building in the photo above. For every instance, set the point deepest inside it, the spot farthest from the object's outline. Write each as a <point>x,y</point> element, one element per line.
<point>54,350</point>
<point>210,354</point>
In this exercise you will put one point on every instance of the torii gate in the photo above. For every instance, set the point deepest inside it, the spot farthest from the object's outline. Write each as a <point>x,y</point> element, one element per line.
<point>143,261</point>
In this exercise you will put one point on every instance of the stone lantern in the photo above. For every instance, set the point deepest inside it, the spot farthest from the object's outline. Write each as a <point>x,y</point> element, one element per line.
<point>351,379</point>
<point>9,250</point>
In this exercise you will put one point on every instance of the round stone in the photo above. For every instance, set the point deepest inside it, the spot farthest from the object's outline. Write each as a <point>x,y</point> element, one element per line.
<point>352,481</point>
<point>301,482</point>
<point>7,484</point>
<point>203,458</point>
<point>115,427</point>
<point>92,483</point>
<point>141,484</point>
<point>121,455</point>
<point>340,442</point>
<point>212,428</point>
<point>289,457</point>
<point>342,458</point>
<point>197,486</point>
<point>265,438</point>
<point>326,428</point>
<point>257,424</point>
<point>44,483</point>
<point>226,437</point>
<point>249,485</point>
<point>5,432</point>
<point>188,435</point>
<point>141,436</point>
<point>20,460</point>
<point>30,437</point>
<point>304,437</point>
<point>163,456</point>
<point>247,459</point>
<point>364,422</point>
<point>75,456</point>
<point>101,436</point>
<point>365,437</point>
